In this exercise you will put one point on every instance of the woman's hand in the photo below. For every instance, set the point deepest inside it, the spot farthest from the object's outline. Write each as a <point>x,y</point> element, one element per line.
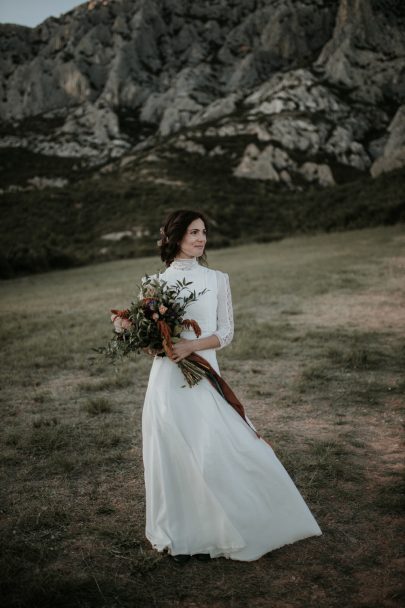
<point>182,349</point>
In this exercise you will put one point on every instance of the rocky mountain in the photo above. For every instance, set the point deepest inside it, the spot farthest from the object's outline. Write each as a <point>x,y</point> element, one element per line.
<point>294,92</point>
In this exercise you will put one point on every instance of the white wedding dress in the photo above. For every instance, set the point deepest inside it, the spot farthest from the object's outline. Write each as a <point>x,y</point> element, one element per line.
<point>212,486</point>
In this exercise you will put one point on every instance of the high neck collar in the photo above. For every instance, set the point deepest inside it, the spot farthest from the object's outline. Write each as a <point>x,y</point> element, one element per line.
<point>184,264</point>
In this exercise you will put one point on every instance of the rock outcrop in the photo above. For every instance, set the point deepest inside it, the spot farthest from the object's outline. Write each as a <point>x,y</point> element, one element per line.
<point>308,89</point>
<point>393,156</point>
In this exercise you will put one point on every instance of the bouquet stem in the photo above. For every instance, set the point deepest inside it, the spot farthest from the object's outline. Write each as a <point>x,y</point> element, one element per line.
<point>192,372</point>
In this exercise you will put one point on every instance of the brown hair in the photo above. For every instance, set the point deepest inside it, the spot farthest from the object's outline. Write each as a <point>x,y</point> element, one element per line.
<point>173,231</point>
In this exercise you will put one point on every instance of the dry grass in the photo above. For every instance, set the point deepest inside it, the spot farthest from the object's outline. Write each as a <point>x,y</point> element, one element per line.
<point>318,359</point>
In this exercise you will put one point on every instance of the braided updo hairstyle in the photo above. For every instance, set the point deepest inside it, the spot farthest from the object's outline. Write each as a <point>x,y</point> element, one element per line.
<point>173,230</point>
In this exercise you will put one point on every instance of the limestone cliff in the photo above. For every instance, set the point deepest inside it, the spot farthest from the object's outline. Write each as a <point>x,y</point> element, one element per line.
<point>305,92</point>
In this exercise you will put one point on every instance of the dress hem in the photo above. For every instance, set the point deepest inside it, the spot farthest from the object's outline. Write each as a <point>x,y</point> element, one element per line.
<point>226,552</point>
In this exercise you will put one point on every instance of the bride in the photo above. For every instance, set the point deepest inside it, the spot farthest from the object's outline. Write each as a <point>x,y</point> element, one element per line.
<point>213,488</point>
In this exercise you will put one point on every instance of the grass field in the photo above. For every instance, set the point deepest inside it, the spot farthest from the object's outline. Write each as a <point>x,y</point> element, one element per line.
<point>318,359</point>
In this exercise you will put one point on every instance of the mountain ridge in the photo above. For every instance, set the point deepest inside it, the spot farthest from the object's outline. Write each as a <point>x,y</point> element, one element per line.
<point>175,65</point>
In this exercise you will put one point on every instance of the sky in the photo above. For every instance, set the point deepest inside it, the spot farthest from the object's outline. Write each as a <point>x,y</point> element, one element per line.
<point>33,12</point>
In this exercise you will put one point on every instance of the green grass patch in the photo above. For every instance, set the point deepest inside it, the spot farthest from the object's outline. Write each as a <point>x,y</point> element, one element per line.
<point>391,496</point>
<point>97,405</point>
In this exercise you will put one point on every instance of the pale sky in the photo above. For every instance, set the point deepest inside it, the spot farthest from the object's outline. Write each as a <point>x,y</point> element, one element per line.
<point>33,12</point>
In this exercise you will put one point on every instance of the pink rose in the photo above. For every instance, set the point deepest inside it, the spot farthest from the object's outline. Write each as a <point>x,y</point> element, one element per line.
<point>126,324</point>
<point>155,316</point>
<point>162,309</point>
<point>117,321</point>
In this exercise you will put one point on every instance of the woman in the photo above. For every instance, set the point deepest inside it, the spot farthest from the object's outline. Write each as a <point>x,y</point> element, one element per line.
<point>213,488</point>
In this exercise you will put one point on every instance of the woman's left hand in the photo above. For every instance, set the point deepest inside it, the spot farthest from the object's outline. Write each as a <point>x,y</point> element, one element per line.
<point>182,349</point>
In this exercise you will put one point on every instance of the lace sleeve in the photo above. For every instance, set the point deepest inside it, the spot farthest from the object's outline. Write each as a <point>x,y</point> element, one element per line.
<point>225,326</point>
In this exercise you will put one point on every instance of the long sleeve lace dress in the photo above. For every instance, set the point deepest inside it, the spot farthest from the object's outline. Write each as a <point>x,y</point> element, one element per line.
<point>212,486</point>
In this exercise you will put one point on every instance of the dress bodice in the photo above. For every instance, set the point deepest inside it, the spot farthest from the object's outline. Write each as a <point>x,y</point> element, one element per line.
<point>213,309</point>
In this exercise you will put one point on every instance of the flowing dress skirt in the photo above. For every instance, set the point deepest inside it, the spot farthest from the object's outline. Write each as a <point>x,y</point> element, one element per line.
<point>211,485</point>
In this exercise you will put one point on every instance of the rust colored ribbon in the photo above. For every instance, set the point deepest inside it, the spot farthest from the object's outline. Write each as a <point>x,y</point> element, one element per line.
<point>223,388</point>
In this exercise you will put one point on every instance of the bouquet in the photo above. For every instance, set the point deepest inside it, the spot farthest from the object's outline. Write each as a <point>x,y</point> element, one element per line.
<point>154,322</point>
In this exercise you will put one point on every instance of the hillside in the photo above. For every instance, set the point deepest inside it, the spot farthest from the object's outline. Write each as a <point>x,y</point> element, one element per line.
<point>247,108</point>
<point>116,216</point>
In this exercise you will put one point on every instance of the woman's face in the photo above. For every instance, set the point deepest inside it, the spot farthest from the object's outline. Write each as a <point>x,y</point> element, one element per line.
<point>193,242</point>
